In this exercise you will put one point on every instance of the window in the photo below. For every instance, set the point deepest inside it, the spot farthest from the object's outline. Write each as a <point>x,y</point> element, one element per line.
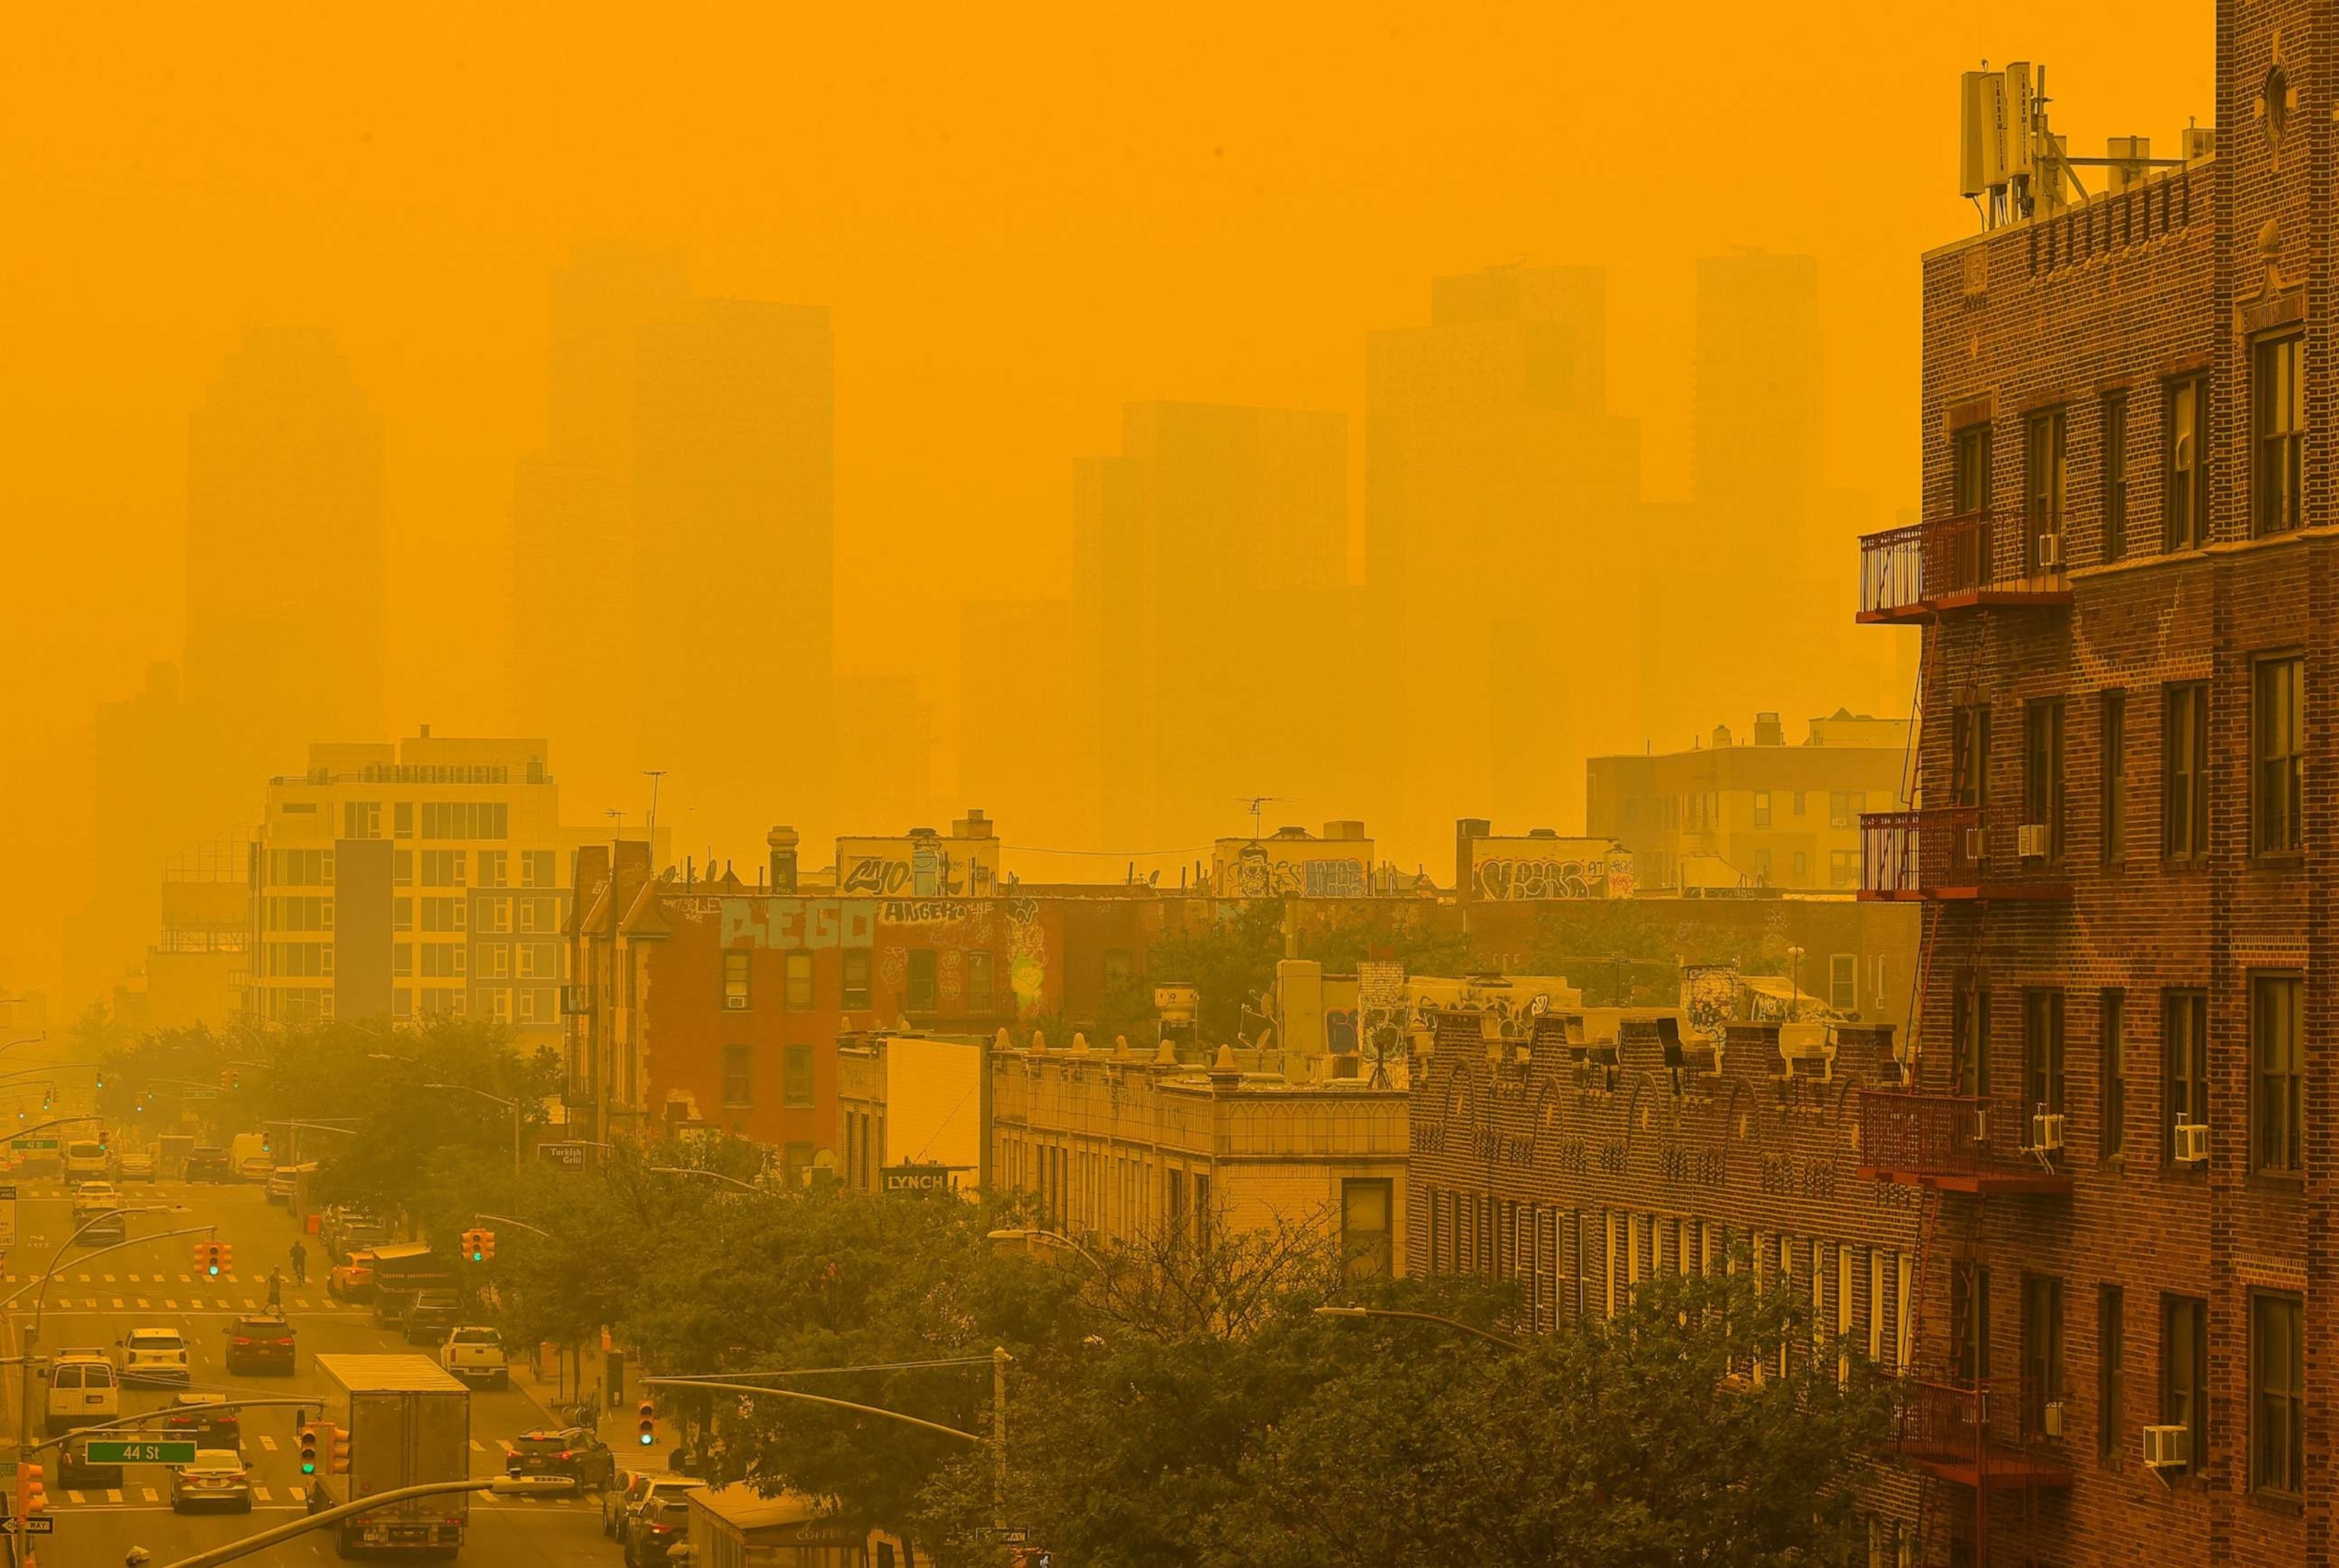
<point>1798,802</point>
<point>401,914</point>
<point>1762,808</point>
<point>795,1165</point>
<point>2185,1089</point>
<point>2278,419</point>
<point>2187,484</point>
<point>1970,753</point>
<point>1843,867</point>
<point>2115,447</point>
<point>2042,772</point>
<point>980,996</point>
<point>444,914</point>
<point>1843,981</point>
<point>495,915</point>
<point>796,1076</point>
<point>494,868</point>
<point>536,868</point>
<point>2185,1372</point>
<point>921,980</point>
<point>540,914</point>
<point>1970,470</point>
<point>856,978</point>
<point>2042,1051</point>
<point>2111,1023</point>
<point>2042,492</point>
<point>795,995</point>
<point>1970,1320</point>
<point>1843,807</point>
<point>401,868</point>
<point>1802,867</point>
<point>402,961</point>
<point>539,961</point>
<point>2042,1352</point>
<point>464,819</point>
<point>442,959</point>
<point>443,867</point>
<point>2111,1371</point>
<point>2111,718</point>
<point>2277,1394</point>
<point>736,980</point>
<point>2277,1064</point>
<point>1367,1208</point>
<point>1970,1059</point>
<point>361,819</point>
<point>401,818</point>
<point>1763,867</point>
<point>735,1075</point>
<point>495,960</point>
<point>2278,757</point>
<point>2185,785</point>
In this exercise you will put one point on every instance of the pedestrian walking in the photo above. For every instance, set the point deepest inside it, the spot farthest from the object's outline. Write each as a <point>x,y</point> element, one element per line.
<point>300,1264</point>
<point>275,1290</point>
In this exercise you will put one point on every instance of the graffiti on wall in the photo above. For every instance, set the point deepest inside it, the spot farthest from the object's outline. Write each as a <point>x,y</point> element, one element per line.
<point>1601,871</point>
<point>1027,954</point>
<point>1709,990</point>
<point>1259,872</point>
<point>962,923</point>
<point>786,922</point>
<point>915,868</point>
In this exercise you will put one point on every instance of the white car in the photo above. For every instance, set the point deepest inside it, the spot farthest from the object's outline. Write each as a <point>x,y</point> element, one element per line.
<point>138,1166</point>
<point>92,1195</point>
<point>155,1355</point>
<point>476,1354</point>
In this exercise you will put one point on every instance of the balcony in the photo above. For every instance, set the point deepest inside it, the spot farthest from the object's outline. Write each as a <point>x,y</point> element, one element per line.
<point>1967,1438</point>
<point>1927,570</point>
<point>1942,1142</point>
<point>1957,853</point>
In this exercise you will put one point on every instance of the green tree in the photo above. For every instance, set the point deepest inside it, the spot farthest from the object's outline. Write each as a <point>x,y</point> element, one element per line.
<point>1231,960</point>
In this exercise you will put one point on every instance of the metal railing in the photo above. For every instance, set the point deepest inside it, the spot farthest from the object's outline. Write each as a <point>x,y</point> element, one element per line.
<point>1924,1134</point>
<point>1975,1428</point>
<point>1910,853</point>
<point>1921,564</point>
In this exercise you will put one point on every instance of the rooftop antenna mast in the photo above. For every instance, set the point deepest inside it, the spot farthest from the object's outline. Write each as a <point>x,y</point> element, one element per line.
<point>653,775</point>
<point>1256,805</point>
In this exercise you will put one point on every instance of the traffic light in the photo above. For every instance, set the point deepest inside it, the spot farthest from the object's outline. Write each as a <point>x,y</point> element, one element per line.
<point>471,1247</point>
<point>32,1497</point>
<point>212,1257</point>
<point>226,1256</point>
<point>226,1078</point>
<point>336,1450</point>
<point>308,1448</point>
<point>101,1078</point>
<point>487,1246</point>
<point>103,1141</point>
<point>646,1423</point>
<point>267,1143</point>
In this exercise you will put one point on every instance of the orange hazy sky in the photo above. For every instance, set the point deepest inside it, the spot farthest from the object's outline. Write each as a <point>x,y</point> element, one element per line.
<point>1020,216</point>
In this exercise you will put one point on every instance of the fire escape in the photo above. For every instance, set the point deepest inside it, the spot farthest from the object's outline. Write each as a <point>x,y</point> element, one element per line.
<point>1978,1457</point>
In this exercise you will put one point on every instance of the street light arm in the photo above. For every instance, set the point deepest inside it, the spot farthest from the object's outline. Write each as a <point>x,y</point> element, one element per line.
<point>1453,1323</point>
<point>130,1423</point>
<point>696,1170</point>
<point>1065,1242</point>
<point>334,1515</point>
<point>746,1390</point>
<point>43,1278</point>
<point>483,1094</point>
<point>515,1224</point>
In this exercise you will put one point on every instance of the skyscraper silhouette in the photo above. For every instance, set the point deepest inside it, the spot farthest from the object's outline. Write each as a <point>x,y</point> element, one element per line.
<point>284,552</point>
<point>734,563</point>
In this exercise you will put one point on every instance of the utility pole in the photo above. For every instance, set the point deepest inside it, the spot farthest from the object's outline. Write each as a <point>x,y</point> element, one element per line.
<point>999,1360</point>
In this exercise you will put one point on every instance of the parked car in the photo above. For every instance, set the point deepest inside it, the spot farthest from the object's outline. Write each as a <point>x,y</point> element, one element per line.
<point>136,1166</point>
<point>430,1317</point>
<point>661,1523</point>
<point>206,1164</point>
<point>154,1355</point>
<point>281,1180</point>
<point>351,1279</point>
<point>259,1342</point>
<point>571,1452</point>
<point>476,1354</point>
<point>216,1479</point>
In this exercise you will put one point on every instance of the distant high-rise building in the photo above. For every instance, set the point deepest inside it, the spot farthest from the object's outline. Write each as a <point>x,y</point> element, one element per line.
<point>1021,747</point>
<point>572,636</point>
<point>1757,434</point>
<point>1210,567</point>
<point>159,794</point>
<point>284,551</point>
<point>734,521</point>
<point>1502,570</point>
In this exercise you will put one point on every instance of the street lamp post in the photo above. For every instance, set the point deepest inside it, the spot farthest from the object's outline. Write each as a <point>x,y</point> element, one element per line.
<point>710,1175</point>
<point>1453,1323</point>
<point>511,1105</point>
<point>1054,1238</point>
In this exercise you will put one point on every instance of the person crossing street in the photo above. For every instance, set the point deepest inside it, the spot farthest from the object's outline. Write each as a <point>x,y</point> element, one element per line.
<point>300,1264</point>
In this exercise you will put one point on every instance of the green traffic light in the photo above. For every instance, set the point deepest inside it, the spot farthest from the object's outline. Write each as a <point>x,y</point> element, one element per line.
<point>308,1467</point>
<point>648,1438</point>
<point>213,1270</point>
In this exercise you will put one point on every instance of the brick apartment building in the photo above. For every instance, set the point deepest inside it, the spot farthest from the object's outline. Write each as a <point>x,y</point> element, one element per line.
<point>2123,846</point>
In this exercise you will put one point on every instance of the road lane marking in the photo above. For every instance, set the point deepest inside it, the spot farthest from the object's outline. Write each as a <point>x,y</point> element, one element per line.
<point>171,1306</point>
<point>109,1280</point>
<point>248,1304</point>
<point>268,1443</point>
<point>76,1496</point>
<point>478,1447</point>
<point>262,1493</point>
<point>150,1496</point>
<point>113,1494</point>
<point>142,1301</point>
<point>117,1301</point>
<point>81,1279</point>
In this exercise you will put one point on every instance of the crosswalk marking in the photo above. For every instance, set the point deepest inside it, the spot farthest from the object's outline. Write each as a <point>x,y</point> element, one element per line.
<point>117,1301</point>
<point>478,1447</point>
<point>109,1278</point>
<point>142,1301</point>
<point>248,1304</point>
<point>262,1493</point>
<point>150,1495</point>
<point>76,1496</point>
<point>113,1494</point>
<point>268,1443</point>
<point>505,1444</point>
<point>172,1305</point>
<point>82,1278</point>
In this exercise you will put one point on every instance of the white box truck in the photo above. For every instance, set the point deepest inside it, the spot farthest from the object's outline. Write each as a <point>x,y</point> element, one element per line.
<point>408,1423</point>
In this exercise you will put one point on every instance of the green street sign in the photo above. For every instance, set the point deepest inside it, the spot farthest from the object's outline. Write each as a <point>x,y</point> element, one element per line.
<point>199,1094</point>
<point>32,1143</point>
<point>135,1452</point>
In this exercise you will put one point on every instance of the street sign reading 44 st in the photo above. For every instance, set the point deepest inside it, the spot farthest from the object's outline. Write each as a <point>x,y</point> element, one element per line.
<point>149,1452</point>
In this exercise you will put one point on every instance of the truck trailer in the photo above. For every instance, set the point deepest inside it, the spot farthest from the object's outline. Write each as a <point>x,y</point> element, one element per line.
<point>407,1423</point>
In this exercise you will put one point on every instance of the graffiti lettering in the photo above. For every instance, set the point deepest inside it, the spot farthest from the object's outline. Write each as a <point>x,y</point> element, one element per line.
<point>795,922</point>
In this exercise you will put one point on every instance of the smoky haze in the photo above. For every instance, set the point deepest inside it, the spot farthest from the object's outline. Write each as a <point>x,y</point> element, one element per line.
<point>862,414</point>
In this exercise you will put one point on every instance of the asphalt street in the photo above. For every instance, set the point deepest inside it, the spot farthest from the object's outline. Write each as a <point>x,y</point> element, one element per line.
<point>155,1284</point>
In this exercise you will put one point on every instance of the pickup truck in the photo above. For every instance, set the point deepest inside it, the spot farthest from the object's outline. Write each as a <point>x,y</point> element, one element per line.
<point>476,1354</point>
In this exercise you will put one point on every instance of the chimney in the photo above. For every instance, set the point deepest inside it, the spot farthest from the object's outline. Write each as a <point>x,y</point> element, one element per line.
<point>1768,730</point>
<point>1465,830</point>
<point>425,733</point>
<point>973,825</point>
<point>1346,831</point>
<point>782,843</point>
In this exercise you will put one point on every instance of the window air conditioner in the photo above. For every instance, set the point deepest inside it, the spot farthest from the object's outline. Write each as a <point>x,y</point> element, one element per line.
<point>734,1004</point>
<point>2051,1419</point>
<point>1981,1124</point>
<point>2191,1142</point>
<point>2168,1447</point>
<point>2047,1130</point>
<point>2050,552</point>
<point>1973,844</point>
<point>2033,841</point>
